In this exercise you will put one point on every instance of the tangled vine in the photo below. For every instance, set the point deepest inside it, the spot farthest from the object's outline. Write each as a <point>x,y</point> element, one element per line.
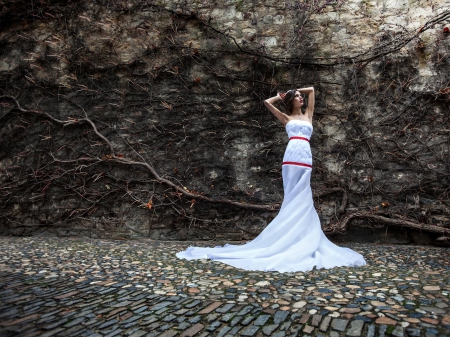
<point>114,117</point>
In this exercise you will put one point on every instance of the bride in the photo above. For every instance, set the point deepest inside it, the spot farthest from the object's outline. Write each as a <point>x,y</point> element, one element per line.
<point>294,240</point>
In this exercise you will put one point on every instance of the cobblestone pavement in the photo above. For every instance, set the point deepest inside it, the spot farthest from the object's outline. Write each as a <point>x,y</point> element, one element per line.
<point>91,287</point>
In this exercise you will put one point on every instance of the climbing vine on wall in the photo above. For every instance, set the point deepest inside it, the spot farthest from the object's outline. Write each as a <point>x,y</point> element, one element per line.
<point>129,118</point>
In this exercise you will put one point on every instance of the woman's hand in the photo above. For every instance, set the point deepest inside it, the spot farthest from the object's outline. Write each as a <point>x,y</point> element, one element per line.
<point>282,95</point>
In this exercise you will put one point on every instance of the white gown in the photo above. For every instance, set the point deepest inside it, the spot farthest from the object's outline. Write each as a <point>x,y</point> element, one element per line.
<point>294,240</point>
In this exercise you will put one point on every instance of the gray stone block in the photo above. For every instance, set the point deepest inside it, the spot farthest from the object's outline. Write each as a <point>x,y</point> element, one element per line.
<point>250,330</point>
<point>355,329</point>
<point>325,324</point>
<point>339,324</point>
<point>269,329</point>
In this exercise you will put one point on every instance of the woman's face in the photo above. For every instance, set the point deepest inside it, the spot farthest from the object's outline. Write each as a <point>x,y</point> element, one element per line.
<point>298,100</point>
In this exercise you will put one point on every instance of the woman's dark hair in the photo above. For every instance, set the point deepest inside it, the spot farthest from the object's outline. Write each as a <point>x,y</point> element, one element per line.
<point>288,100</point>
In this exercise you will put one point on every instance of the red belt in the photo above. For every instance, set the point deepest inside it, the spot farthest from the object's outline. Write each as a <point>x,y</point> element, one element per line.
<point>296,163</point>
<point>298,137</point>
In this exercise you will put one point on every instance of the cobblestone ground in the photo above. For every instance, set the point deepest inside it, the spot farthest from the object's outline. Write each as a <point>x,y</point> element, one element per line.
<point>89,287</point>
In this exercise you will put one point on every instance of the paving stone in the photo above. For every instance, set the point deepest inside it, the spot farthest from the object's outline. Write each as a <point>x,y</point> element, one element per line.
<point>51,332</point>
<point>223,331</point>
<point>210,308</point>
<point>163,310</point>
<point>140,310</point>
<point>316,320</point>
<point>74,322</point>
<point>261,320</point>
<point>250,330</point>
<point>115,332</point>
<point>165,327</point>
<point>308,329</point>
<point>246,321</point>
<point>152,334</point>
<point>442,305</point>
<point>304,318</point>
<point>355,328</point>
<point>382,330</point>
<point>233,332</point>
<point>212,317</point>
<point>168,333</point>
<point>325,324</point>
<point>285,325</point>
<point>108,323</point>
<point>50,313</point>
<point>192,304</point>
<point>155,307</point>
<point>280,316</point>
<point>398,332</point>
<point>192,330</point>
<point>227,317</point>
<point>429,320</point>
<point>434,310</point>
<point>235,320</point>
<point>269,311</point>
<point>168,318</point>
<point>184,325</point>
<point>47,319</point>
<point>279,334</point>
<point>138,333</point>
<point>386,321</point>
<point>195,319</point>
<point>53,325</point>
<point>75,330</point>
<point>269,329</point>
<point>339,324</point>
<point>213,326</point>
<point>67,294</point>
<point>149,319</point>
<point>225,308</point>
<point>395,317</point>
<point>180,311</point>
<point>131,319</point>
<point>412,332</point>
<point>245,310</point>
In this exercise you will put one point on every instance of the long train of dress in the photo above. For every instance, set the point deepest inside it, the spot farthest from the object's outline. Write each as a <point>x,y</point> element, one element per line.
<point>294,240</point>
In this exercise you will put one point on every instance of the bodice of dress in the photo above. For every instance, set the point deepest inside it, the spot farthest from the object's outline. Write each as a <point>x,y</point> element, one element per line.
<point>299,128</point>
<point>298,151</point>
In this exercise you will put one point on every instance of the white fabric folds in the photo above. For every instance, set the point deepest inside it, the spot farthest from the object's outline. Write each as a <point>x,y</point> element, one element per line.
<point>294,240</point>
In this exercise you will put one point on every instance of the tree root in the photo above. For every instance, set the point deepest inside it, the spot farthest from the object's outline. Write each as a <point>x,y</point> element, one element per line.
<point>344,200</point>
<point>397,220</point>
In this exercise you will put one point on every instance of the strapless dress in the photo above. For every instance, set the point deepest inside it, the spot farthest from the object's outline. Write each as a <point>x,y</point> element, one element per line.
<point>294,240</point>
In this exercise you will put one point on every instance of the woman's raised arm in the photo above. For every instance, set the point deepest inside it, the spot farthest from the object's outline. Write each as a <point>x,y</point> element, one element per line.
<point>311,100</point>
<point>283,118</point>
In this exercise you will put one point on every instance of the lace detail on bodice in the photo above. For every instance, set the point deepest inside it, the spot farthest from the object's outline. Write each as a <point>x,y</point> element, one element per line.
<point>299,128</point>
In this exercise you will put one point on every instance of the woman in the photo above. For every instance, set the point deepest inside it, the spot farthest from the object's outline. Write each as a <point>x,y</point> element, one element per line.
<point>294,240</point>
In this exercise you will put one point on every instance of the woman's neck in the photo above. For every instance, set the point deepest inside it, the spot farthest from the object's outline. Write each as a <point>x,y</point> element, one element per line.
<point>297,112</point>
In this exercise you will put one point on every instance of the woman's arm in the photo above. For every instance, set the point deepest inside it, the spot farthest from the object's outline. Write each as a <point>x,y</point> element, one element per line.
<point>283,118</point>
<point>311,101</point>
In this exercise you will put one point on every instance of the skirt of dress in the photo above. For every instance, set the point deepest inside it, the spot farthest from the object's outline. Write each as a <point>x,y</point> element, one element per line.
<point>293,241</point>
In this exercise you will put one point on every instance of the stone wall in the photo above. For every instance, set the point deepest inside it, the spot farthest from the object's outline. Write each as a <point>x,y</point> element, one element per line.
<point>136,118</point>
